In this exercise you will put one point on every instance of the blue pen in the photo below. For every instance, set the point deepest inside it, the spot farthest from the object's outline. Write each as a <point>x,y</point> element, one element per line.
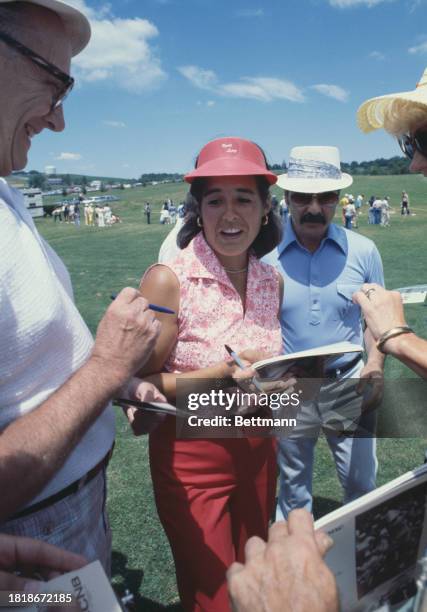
<point>151,306</point>
<point>240,363</point>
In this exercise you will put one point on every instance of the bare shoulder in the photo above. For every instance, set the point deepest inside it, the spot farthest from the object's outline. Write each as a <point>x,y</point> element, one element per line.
<point>161,276</point>
<point>161,286</point>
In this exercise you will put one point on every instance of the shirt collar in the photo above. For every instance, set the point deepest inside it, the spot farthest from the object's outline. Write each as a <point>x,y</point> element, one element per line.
<point>334,234</point>
<point>205,264</point>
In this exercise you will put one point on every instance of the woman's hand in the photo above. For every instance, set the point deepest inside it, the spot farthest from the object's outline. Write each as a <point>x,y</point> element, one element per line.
<point>382,309</point>
<point>142,422</point>
<point>286,384</point>
<point>244,379</point>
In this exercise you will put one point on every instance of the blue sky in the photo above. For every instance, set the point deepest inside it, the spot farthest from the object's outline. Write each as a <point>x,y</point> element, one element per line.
<point>162,77</point>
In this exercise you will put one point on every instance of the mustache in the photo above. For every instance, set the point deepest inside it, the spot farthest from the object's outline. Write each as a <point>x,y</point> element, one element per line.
<point>310,218</point>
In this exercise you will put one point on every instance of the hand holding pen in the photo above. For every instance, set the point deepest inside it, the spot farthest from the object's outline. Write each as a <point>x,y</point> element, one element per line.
<point>238,361</point>
<point>284,384</point>
<point>126,337</point>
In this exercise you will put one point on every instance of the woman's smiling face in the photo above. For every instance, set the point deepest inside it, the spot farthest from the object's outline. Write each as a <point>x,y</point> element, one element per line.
<point>231,211</point>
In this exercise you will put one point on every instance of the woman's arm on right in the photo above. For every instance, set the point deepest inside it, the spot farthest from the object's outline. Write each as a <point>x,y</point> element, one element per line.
<point>410,349</point>
<point>383,311</point>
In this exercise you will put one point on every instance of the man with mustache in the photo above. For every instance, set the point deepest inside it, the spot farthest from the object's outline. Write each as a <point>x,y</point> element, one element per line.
<point>322,265</point>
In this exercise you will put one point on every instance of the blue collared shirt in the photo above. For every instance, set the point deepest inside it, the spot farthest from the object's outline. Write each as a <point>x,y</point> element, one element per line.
<point>317,308</point>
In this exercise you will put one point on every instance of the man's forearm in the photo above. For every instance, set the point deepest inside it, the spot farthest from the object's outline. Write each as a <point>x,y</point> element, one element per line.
<point>34,447</point>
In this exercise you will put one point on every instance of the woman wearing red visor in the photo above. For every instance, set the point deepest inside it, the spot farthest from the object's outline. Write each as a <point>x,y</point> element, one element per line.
<point>213,494</point>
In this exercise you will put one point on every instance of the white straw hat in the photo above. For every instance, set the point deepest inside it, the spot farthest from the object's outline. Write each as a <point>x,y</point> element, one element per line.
<point>76,24</point>
<point>314,170</point>
<point>370,115</point>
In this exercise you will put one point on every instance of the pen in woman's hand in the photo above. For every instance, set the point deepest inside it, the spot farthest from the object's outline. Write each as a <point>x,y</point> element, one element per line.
<point>151,306</point>
<point>241,365</point>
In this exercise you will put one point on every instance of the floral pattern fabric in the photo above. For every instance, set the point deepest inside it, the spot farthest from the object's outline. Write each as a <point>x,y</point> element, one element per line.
<point>211,312</point>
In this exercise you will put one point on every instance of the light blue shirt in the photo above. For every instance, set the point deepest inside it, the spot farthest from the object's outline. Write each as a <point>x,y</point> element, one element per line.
<point>317,308</point>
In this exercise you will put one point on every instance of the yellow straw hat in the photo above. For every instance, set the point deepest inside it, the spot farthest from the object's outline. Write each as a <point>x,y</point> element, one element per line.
<point>370,115</point>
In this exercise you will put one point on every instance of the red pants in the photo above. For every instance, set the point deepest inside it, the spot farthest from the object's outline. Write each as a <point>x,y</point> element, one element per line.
<point>211,496</point>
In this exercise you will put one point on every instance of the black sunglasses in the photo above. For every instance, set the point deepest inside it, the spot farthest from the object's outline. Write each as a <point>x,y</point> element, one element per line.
<point>328,199</point>
<point>410,143</point>
<point>65,79</point>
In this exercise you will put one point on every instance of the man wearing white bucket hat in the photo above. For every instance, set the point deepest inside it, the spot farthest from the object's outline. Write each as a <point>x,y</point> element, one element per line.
<point>55,383</point>
<point>403,115</point>
<point>322,265</point>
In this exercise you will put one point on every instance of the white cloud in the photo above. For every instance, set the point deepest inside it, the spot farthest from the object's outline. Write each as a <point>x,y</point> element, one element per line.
<point>332,91</point>
<point>114,124</point>
<point>350,3</point>
<point>377,55</point>
<point>210,103</point>
<point>69,157</point>
<point>203,79</point>
<point>421,48</point>
<point>264,89</point>
<point>119,51</point>
<point>255,12</point>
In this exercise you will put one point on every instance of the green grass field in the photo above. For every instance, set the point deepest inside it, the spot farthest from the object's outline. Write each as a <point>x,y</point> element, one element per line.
<point>103,260</point>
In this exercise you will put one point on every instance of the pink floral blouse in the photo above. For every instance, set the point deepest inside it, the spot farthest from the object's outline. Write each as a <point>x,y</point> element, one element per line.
<point>211,313</point>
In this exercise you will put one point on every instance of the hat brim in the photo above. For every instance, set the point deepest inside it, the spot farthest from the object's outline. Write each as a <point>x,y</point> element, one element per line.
<point>370,115</point>
<point>230,167</point>
<point>302,185</point>
<point>76,25</point>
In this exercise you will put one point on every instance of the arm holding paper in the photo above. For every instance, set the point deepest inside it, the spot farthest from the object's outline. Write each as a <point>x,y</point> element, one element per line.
<point>384,316</point>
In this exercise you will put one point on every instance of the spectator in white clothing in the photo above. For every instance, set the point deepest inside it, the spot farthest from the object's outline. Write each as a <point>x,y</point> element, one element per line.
<point>376,208</point>
<point>385,212</point>
<point>57,427</point>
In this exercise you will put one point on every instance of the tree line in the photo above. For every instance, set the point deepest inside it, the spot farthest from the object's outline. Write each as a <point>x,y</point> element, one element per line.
<point>381,166</point>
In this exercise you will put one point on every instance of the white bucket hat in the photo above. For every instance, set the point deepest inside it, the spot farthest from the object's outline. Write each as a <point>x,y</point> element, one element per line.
<point>370,115</point>
<point>76,24</point>
<point>314,170</point>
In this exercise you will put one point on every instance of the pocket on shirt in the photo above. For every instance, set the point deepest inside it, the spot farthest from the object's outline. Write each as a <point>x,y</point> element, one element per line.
<point>344,300</point>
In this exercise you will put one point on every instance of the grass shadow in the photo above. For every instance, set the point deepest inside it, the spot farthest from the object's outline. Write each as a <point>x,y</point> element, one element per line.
<point>126,579</point>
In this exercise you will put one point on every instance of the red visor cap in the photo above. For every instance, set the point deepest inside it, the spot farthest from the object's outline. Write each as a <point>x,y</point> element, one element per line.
<point>231,157</point>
